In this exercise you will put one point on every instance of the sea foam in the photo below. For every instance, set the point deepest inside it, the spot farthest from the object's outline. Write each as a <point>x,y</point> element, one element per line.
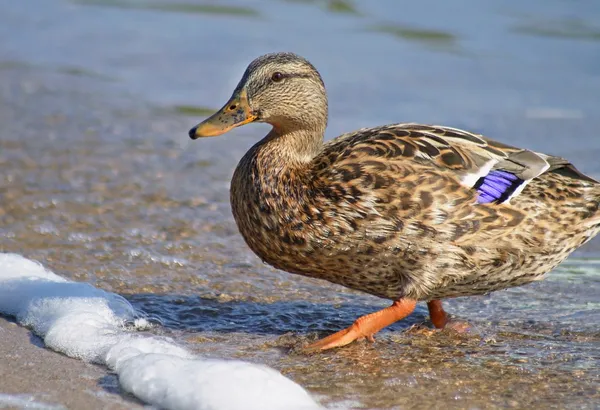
<point>84,322</point>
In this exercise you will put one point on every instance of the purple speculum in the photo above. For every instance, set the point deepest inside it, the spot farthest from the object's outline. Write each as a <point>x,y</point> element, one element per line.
<point>497,186</point>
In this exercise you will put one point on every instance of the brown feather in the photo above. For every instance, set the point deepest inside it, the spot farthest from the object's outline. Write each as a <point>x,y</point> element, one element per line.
<point>392,210</point>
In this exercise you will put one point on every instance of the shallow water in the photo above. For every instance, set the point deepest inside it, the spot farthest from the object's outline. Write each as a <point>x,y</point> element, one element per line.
<point>99,181</point>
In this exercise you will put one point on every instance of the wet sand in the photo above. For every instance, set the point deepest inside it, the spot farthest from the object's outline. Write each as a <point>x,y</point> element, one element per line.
<point>29,101</point>
<point>223,302</point>
<point>27,368</point>
<point>104,188</point>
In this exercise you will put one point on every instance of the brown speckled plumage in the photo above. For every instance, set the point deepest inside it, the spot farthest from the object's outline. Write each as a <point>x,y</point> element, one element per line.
<point>370,214</point>
<point>392,210</point>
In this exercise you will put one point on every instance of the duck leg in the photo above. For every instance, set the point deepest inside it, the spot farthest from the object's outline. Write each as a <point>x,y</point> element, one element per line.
<point>366,326</point>
<point>438,315</point>
<point>441,319</point>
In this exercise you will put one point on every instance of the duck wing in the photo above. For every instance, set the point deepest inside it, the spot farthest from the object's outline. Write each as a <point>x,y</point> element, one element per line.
<point>445,181</point>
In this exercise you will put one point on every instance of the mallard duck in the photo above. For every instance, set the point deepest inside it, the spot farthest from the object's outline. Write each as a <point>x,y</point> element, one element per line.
<point>406,212</point>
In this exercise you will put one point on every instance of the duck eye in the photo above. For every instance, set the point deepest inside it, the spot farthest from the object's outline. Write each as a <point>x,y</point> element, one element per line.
<point>277,77</point>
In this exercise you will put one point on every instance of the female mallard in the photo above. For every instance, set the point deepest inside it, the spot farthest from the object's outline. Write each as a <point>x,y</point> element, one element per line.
<point>406,212</point>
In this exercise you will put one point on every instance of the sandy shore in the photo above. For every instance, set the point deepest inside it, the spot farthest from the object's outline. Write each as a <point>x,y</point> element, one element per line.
<point>28,368</point>
<point>105,188</point>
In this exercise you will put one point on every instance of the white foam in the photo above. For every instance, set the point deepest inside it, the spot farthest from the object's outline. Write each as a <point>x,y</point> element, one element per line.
<point>210,384</point>
<point>87,323</point>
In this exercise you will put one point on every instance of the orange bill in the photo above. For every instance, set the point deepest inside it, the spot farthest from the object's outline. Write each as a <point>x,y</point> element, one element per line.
<point>233,114</point>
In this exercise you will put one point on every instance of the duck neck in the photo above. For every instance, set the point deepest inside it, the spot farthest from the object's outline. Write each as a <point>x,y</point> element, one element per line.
<point>293,147</point>
<point>278,165</point>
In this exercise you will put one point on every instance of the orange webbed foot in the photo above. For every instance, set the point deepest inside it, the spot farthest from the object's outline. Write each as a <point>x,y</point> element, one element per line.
<point>366,326</point>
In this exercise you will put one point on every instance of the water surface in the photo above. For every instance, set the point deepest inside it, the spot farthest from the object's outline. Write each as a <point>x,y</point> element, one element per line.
<point>99,181</point>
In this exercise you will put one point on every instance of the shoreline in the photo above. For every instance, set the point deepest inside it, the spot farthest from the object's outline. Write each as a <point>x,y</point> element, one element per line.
<point>27,367</point>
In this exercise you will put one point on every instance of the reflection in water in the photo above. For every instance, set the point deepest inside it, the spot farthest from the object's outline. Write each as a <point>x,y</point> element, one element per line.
<point>567,28</point>
<point>175,7</point>
<point>430,38</point>
<point>98,180</point>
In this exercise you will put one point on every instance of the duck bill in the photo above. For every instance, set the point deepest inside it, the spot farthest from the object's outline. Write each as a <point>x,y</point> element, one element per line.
<point>233,114</point>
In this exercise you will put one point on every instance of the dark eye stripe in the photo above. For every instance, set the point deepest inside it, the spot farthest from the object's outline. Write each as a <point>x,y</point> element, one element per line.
<point>268,81</point>
<point>283,76</point>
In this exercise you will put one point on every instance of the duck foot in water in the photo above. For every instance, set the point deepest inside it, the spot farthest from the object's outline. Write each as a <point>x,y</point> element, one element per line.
<point>366,326</point>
